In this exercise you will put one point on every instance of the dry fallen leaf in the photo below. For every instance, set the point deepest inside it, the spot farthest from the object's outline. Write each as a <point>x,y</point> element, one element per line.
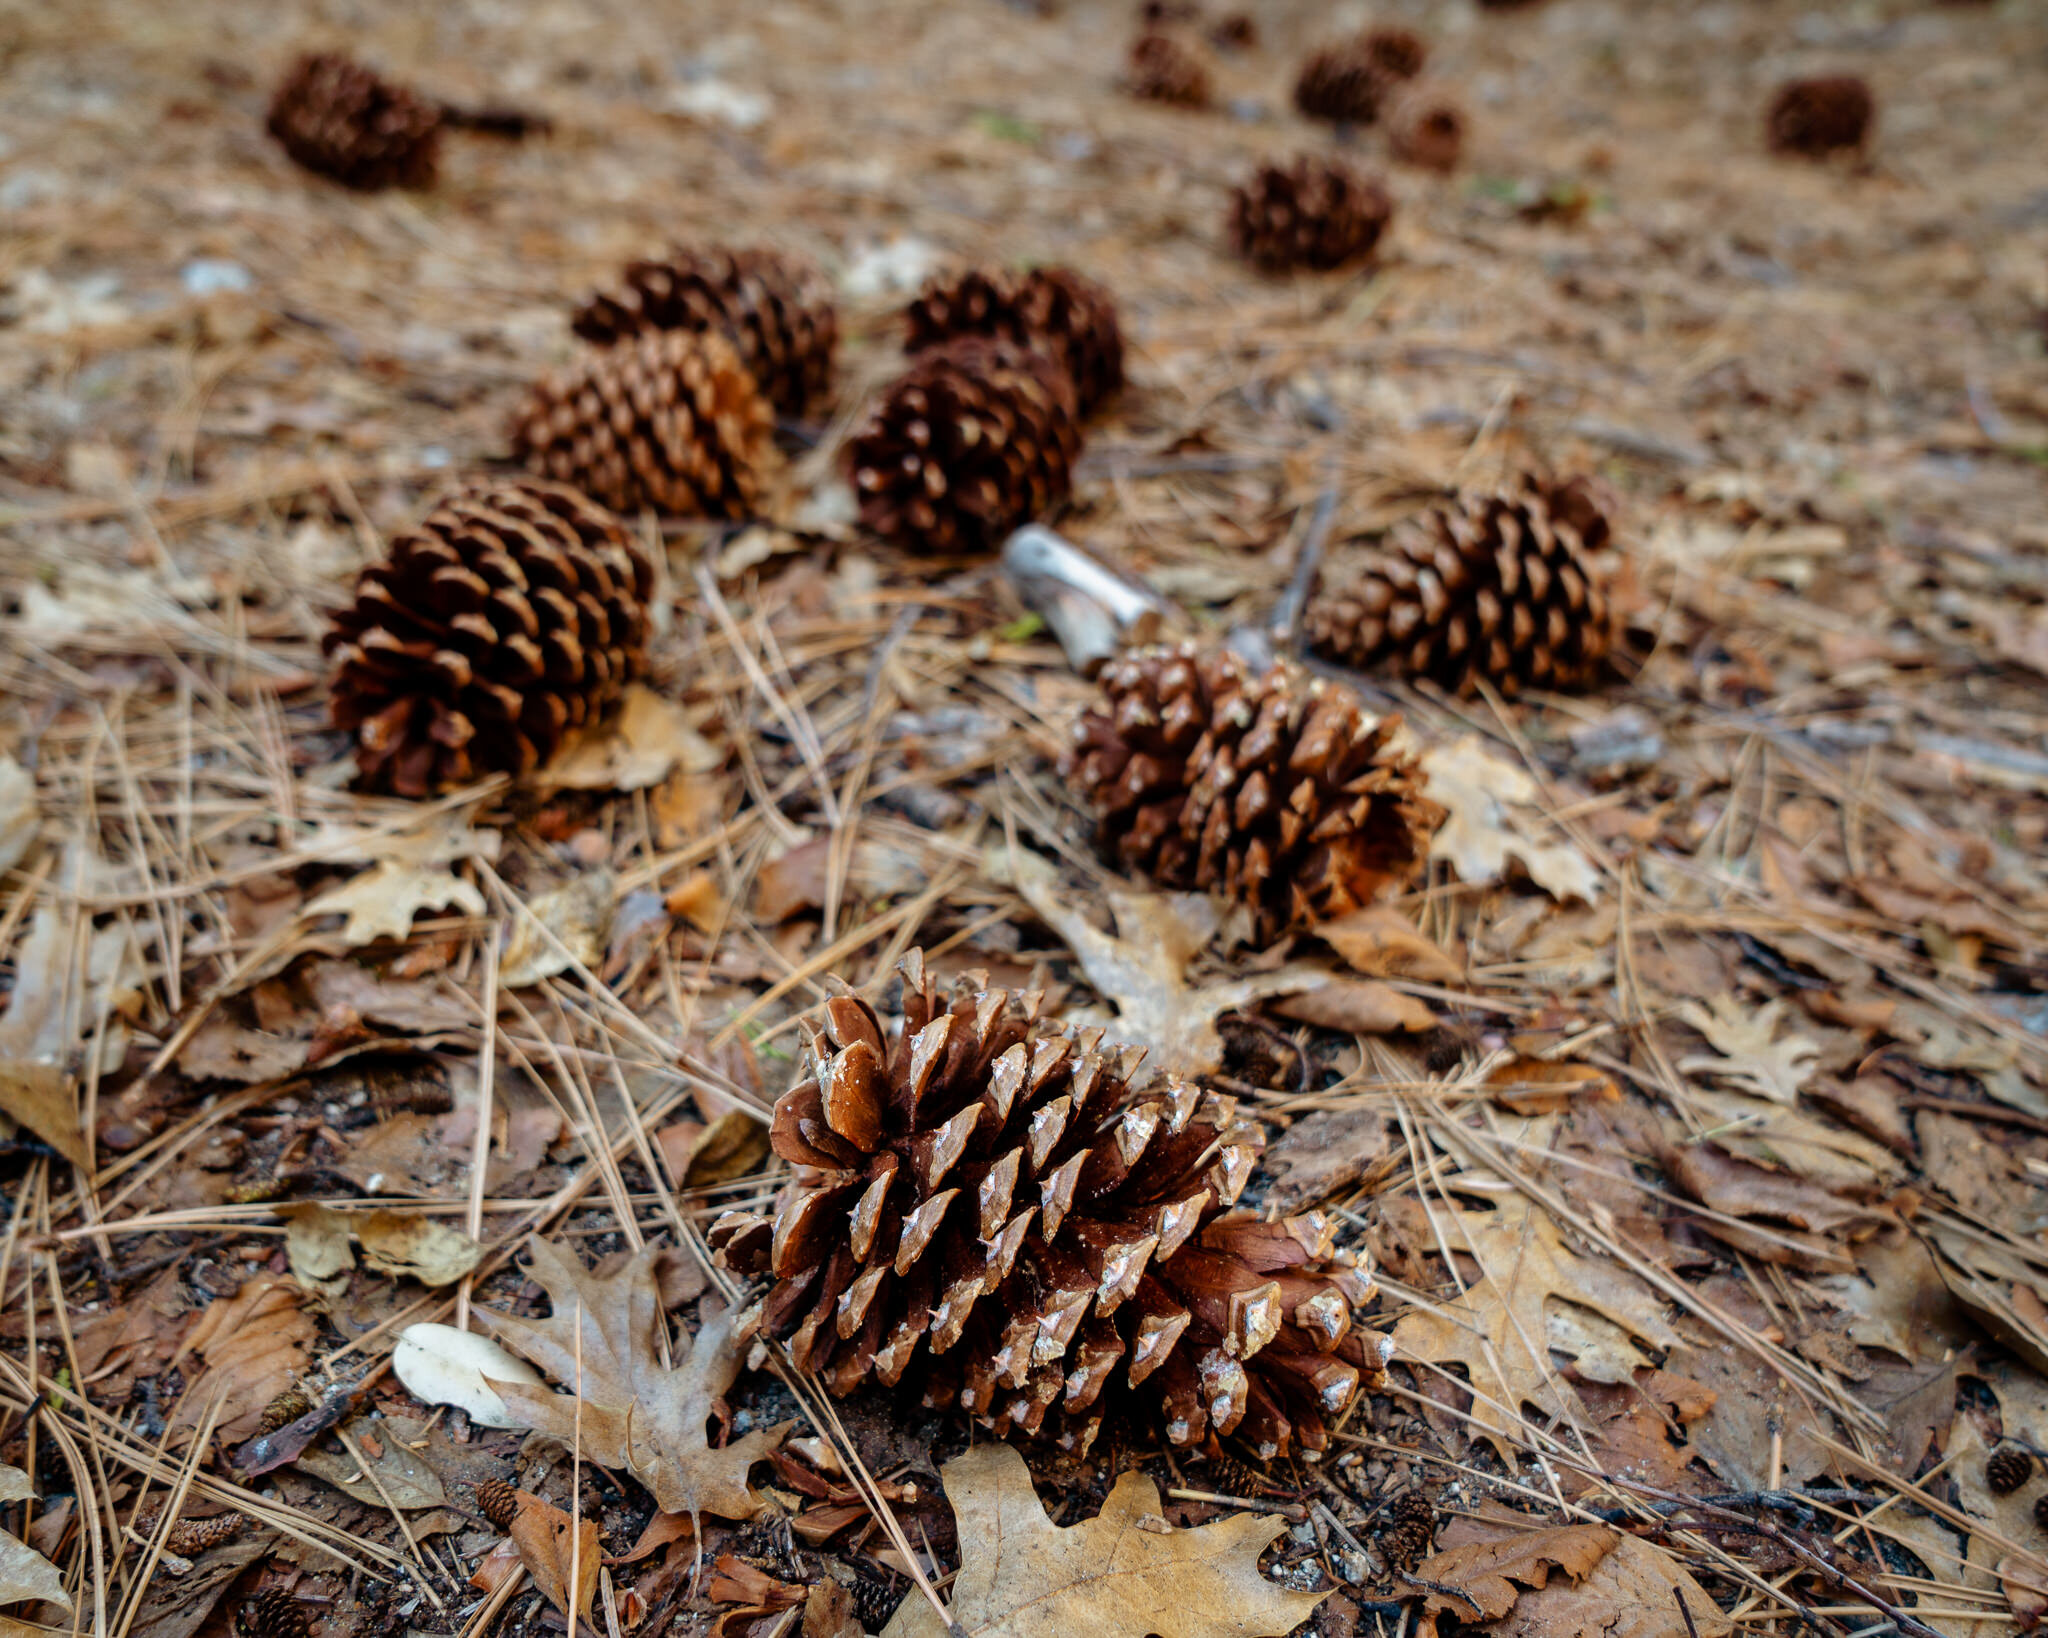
<point>1357,1006</point>
<point>1749,1056</point>
<point>626,1409</point>
<point>44,1099</point>
<point>20,818</point>
<point>316,1245</point>
<point>1323,1152</point>
<point>1493,817</point>
<point>559,1552</point>
<point>648,738</point>
<point>1633,1592</point>
<point>1123,1574</point>
<point>1537,1086</point>
<point>25,1575</point>
<point>396,1242</point>
<point>700,1155</point>
<point>1380,942</point>
<point>381,902</point>
<point>579,915</point>
<point>1480,1578</point>
<point>407,1480</point>
<point>254,1345</point>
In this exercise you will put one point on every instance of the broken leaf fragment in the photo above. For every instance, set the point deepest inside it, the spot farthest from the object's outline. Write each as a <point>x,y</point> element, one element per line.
<point>567,927</point>
<point>396,1242</point>
<point>25,1575</point>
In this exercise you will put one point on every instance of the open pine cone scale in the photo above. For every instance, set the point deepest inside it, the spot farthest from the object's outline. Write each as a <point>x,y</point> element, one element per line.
<point>992,1201</point>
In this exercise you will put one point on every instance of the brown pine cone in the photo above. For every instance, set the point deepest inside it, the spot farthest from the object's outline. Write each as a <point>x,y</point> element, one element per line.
<point>294,1402</point>
<point>1344,83</point>
<point>776,310</point>
<point>671,420</point>
<point>339,119</point>
<point>2006,1469</point>
<point>498,1501</point>
<point>1050,310</point>
<point>1398,53</point>
<point>1234,31</point>
<point>1509,585</point>
<point>992,1206</point>
<point>974,439</point>
<point>1426,128</point>
<point>1410,1531</point>
<point>273,1613</point>
<point>1314,213</point>
<point>1162,69</point>
<point>1821,115</point>
<point>496,630</point>
<point>1271,788</point>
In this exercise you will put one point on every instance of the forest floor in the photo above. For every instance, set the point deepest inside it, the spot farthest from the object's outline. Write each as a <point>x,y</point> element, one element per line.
<point>1693,1111</point>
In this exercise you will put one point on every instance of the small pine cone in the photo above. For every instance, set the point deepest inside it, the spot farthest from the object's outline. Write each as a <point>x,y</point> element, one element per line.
<point>286,1408</point>
<point>776,310</point>
<point>498,1501</point>
<point>974,439</point>
<point>273,1613</point>
<point>1509,585</point>
<point>1234,31</point>
<point>2006,1469</point>
<point>1271,788</point>
<point>1398,53</point>
<point>2041,1511</point>
<point>1050,310</point>
<point>992,1206</point>
<point>1162,69</point>
<point>1157,14</point>
<point>1821,115</point>
<point>874,1602</point>
<point>339,119</point>
<point>188,1538</point>
<point>671,420</point>
<point>1343,83</point>
<point>1314,213</point>
<point>496,630</point>
<point>1426,128</point>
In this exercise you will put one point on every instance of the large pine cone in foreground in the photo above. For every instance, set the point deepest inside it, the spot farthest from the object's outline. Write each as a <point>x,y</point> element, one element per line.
<point>974,439</point>
<point>1313,213</point>
<point>776,310</point>
<point>990,1205</point>
<point>1272,788</point>
<point>1162,69</point>
<point>1050,310</point>
<point>1509,585</point>
<point>1821,115</point>
<point>505,622</point>
<point>343,121</point>
<point>672,420</point>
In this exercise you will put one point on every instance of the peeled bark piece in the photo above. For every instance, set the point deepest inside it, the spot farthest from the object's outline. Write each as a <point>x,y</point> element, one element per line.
<point>1271,788</point>
<point>1049,310</point>
<point>494,632</point>
<point>1821,115</point>
<point>672,421</point>
<point>1313,212</point>
<point>1026,1230</point>
<point>974,439</point>
<point>343,121</point>
<point>1508,585</point>
<point>776,310</point>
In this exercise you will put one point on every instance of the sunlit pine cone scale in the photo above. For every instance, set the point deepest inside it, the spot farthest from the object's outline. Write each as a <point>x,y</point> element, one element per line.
<point>345,122</point>
<point>1050,310</point>
<point>775,309</point>
<point>1313,213</point>
<point>975,438</point>
<point>671,420</point>
<point>1821,115</point>
<point>495,630</point>
<point>1271,788</point>
<point>1508,585</point>
<point>990,1206</point>
<point>1163,69</point>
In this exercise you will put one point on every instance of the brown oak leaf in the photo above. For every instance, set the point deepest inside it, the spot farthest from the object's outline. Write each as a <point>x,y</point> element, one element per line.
<point>558,1551</point>
<point>625,1407</point>
<point>1477,1580</point>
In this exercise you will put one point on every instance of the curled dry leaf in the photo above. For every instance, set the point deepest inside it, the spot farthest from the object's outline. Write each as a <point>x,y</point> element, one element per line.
<point>396,1242</point>
<point>625,1408</point>
<point>1479,1580</point>
<point>1541,1086</point>
<point>1123,1574</point>
<point>42,1098</point>
<point>561,1553</point>
<point>1358,1006</point>
<point>316,1245</point>
<point>1323,1152</point>
<point>698,1155</point>
<point>1380,942</point>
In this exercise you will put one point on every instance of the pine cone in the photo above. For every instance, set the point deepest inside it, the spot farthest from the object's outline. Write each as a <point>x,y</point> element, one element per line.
<point>1344,83</point>
<point>1506,584</point>
<point>339,119</point>
<point>1821,115</point>
<point>293,1403</point>
<point>671,420</point>
<point>273,1613</point>
<point>496,630</point>
<point>188,1538</point>
<point>1410,1531</point>
<point>974,439</point>
<point>2041,1511</point>
<point>1315,213</point>
<point>1234,31</point>
<point>1426,128</point>
<point>1162,69</point>
<point>777,311</point>
<point>1270,788</point>
<point>1398,53</point>
<point>2006,1469</point>
<point>1050,310</point>
<point>498,1501</point>
<point>995,1204</point>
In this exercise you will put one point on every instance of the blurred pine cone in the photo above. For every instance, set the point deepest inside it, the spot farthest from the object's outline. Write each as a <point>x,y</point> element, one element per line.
<point>1163,69</point>
<point>1821,115</point>
<point>1508,585</point>
<point>2006,1469</point>
<point>1343,83</point>
<point>671,420</point>
<point>1426,128</point>
<point>1398,53</point>
<point>1050,310</point>
<point>1314,212</point>
<point>1271,788</point>
<point>294,1402</point>
<point>775,309</point>
<point>496,630</point>
<point>1234,31</point>
<point>974,439</point>
<point>992,1206</point>
<point>341,120</point>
